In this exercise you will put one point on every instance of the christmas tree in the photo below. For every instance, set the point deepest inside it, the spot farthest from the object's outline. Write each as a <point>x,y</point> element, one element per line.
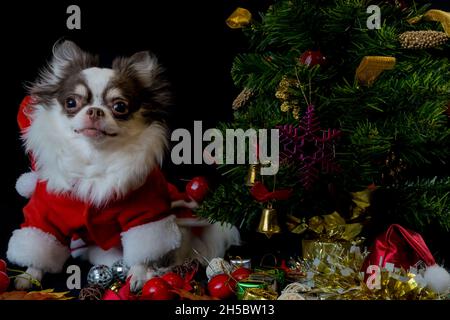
<point>360,92</point>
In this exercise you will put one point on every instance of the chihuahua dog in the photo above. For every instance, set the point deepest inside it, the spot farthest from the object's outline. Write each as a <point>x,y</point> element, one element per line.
<point>97,137</point>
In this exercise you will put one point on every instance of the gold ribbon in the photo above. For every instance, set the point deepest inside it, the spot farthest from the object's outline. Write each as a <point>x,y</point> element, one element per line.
<point>259,294</point>
<point>361,201</point>
<point>296,225</point>
<point>434,15</point>
<point>371,67</point>
<point>239,18</point>
<point>333,227</point>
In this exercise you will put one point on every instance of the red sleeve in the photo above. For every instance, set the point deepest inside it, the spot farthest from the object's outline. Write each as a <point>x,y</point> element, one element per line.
<point>149,203</point>
<point>37,213</point>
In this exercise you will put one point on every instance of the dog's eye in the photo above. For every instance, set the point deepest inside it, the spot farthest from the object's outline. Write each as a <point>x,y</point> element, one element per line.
<point>120,108</point>
<point>71,103</point>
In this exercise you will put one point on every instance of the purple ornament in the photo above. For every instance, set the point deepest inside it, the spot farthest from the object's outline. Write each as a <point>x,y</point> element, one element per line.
<point>307,145</point>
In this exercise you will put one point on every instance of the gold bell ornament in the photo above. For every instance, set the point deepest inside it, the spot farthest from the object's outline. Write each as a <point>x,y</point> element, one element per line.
<point>268,224</point>
<point>252,175</point>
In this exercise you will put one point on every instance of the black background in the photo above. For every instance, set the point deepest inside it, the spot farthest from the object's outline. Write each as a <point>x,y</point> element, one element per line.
<point>190,37</point>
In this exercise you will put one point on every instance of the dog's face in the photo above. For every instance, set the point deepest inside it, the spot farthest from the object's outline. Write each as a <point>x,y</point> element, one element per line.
<point>97,132</point>
<point>102,106</point>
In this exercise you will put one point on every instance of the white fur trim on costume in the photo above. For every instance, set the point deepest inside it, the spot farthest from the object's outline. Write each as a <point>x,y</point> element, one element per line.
<point>26,184</point>
<point>437,278</point>
<point>32,247</point>
<point>193,222</point>
<point>97,255</point>
<point>151,241</point>
<point>78,249</point>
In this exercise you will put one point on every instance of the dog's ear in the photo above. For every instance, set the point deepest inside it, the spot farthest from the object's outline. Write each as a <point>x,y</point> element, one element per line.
<point>142,65</point>
<point>145,68</point>
<point>67,59</point>
<point>67,55</point>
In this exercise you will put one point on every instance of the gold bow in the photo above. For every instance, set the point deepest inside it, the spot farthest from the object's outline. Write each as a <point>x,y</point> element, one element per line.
<point>333,227</point>
<point>239,18</point>
<point>361,202</point>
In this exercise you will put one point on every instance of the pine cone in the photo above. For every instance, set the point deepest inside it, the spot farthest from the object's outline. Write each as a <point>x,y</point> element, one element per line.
<point>242,98</point>
<point>422,39</point>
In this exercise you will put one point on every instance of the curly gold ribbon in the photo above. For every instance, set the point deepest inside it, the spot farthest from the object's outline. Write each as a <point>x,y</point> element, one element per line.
<point>434,15</point>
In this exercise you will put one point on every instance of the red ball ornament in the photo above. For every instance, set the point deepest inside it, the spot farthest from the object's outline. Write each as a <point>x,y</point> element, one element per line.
<point>2,265</point>
<point>241,273</point>
<point>157,289</point>
<point>312,58</point>
<point>174,280</point>
<point>197,188</point>
<point>4,282</point>
<point>221,286</point>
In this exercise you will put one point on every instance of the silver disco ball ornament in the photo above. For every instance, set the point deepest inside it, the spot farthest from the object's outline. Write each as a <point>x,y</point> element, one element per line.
<point>120,270</point>
<point>100,275</point>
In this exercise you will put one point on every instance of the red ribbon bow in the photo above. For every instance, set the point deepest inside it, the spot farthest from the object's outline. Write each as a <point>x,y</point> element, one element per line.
<point>261,194</point>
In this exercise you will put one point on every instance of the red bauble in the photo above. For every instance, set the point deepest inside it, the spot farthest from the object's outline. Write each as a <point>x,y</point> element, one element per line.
<point>174,280</point>
<point>241,273</point>
<point>312,58</point>
<point>197,188</point>
<point>2,265</point>
<point>4,282</point>
<point>157,289</point>
<point>124,293</point>
<point>221,286</point>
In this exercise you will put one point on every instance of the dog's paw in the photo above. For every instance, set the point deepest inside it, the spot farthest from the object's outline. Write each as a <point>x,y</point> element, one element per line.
<point>139,275</point>
<point>25,281</point>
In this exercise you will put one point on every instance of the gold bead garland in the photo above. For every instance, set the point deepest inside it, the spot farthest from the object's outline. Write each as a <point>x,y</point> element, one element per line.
<point>422,39</point>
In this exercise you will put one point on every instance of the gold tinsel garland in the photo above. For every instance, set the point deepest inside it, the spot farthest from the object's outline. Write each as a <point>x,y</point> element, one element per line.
<point>283,93</point>
<point>337,275</point>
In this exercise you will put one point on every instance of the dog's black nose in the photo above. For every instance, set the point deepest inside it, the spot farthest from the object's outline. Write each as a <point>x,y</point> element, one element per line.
<point>95,113</point>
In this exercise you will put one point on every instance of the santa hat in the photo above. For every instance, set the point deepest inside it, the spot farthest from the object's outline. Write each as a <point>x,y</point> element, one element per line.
<point>26,183</point>
<point>404,249</point>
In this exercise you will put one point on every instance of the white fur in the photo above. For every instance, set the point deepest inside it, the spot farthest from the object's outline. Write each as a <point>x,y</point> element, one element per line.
<point>71,163</point>
<point>217,238</point>
<point>437,278</point>
<point>97,80</point>
<point>26,184</point>
<point>151,241</point>
<point>31,247</point>
<point>97,255</point>
<point>211,243</point>
<point>78,249</point>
